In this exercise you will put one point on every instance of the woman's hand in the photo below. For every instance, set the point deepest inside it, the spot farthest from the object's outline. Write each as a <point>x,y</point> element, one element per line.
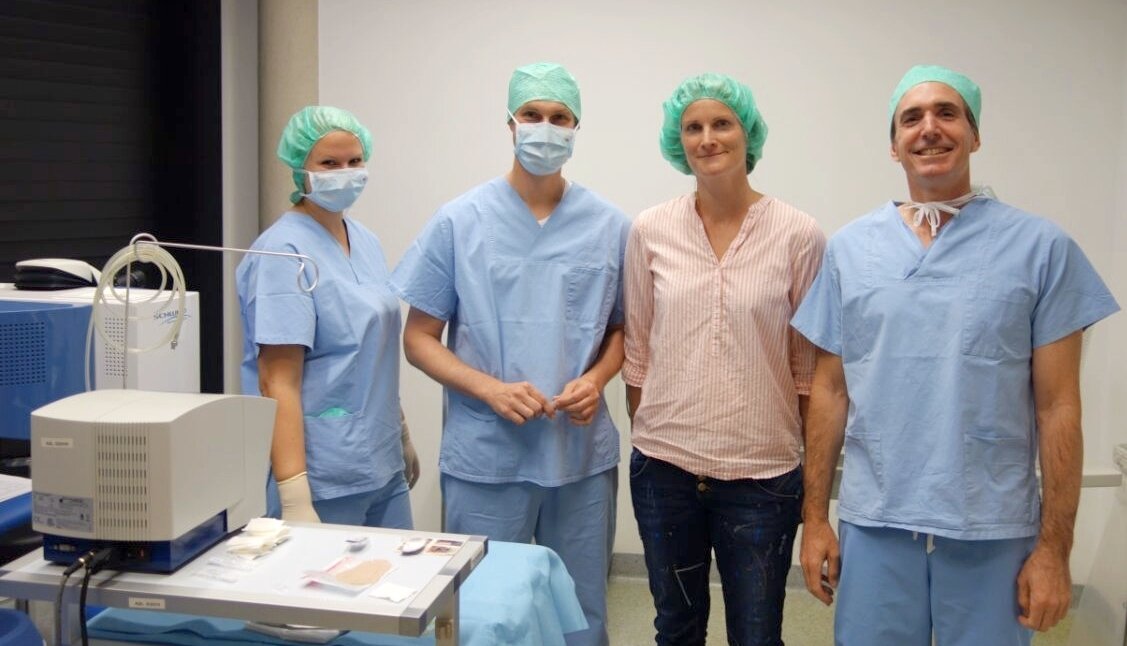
<point>411,469</point>
<point>297,500</point>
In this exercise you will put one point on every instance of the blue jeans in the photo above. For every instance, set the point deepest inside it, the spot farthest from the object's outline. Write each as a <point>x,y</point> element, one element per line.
<point>750,524</point>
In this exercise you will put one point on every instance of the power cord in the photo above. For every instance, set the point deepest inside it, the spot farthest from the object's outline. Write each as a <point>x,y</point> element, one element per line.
<point>93,560</point>
<point>95,564</point>
<point>82,605</point>
<point>71,569</point>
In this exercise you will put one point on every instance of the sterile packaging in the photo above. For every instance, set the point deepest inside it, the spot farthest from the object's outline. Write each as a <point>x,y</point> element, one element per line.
<point>350,574</point>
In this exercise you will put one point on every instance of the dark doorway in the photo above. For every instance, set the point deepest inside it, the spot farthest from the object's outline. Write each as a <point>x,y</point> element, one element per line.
<point>109,126</point>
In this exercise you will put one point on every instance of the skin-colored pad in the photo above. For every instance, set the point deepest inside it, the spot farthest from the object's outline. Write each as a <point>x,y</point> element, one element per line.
<point>363,573</point>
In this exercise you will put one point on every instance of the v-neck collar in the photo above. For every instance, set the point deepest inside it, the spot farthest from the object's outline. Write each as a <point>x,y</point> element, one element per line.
<point>525,215</point>
<point>327,239</point>
<point>923,255</point>
<point>753,212</point>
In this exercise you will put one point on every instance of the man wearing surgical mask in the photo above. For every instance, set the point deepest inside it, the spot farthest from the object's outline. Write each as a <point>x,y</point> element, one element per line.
<point>526,272</point>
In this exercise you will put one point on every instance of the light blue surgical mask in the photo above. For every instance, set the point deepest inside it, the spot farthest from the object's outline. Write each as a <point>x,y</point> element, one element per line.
<point>542,148</point>
<point>336,190</point>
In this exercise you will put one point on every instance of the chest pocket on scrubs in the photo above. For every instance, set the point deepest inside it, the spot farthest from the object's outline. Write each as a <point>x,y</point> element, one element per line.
<point>998,321</point>
<point>590,295</point>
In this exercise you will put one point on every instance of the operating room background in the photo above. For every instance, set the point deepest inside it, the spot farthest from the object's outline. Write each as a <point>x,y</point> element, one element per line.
<point>430,80</point>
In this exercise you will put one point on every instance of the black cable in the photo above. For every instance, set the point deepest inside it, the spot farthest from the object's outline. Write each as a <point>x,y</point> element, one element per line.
<point>59,609</point>
<point>96,562</point>
<point>71,569</point>
<point>82,605</point>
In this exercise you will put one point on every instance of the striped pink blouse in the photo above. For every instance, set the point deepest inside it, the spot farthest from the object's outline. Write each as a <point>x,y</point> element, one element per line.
<point>709,341</point>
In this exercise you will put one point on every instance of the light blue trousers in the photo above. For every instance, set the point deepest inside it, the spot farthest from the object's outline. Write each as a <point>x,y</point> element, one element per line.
<point>893,591</point>
<point>388,506</point>
<point>575,520</point>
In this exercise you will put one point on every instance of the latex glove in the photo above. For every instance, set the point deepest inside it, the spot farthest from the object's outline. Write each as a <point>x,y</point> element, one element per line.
<point>411,468</point>
<point>297,500</point>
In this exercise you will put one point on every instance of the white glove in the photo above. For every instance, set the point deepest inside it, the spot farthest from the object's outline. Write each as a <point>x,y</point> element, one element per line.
<point>297,500</point>
<point>410,456</point>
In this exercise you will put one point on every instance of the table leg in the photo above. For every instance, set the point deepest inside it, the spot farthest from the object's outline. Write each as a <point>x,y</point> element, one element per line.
<point>446,623</point>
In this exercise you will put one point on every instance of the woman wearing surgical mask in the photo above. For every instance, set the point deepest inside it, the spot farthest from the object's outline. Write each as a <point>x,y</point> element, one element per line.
<point>525,270</point>
<point>341,451</point>
<point>717,381</point>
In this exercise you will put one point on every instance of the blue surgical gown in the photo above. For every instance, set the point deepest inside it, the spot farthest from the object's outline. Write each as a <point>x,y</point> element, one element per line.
<point>937,344</point>
<point>349,326</point>
<point>523,303</point>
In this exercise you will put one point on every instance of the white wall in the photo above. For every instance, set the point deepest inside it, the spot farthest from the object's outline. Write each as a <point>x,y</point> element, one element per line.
<point>239,56</point>
<point>287,82</point>
<point>1117,376</point>
<point>430,80</point>
<point>1111,427</point>
<point>1116,428</point>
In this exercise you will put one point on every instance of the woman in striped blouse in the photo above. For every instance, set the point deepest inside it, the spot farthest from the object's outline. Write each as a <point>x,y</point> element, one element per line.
<point>716,379</point>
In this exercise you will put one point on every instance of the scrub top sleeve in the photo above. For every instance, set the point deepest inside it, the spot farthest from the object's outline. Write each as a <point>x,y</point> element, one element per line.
<point>819,315</point>
<point>618,314</point>
<point>638,294</point>
<point>424,277</point>
<point>277,311</point>
<point>1072,295</point>
<point>807,260</point>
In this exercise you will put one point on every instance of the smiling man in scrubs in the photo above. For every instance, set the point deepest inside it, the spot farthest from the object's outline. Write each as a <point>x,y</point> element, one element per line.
<point>949,329</point>
<point>524,275</point>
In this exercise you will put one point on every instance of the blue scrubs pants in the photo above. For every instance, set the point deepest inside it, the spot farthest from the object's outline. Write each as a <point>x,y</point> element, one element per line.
<point>749,523</point>
<point>388,506</point>
<point>893,592</point>
<point>575,520</point>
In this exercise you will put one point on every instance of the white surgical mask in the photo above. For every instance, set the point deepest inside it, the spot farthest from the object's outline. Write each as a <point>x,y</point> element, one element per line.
<point>336,190</point>
<point>542,148</point>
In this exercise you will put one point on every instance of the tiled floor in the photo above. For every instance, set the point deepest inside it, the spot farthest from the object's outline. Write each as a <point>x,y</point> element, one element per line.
<point>806,622</point>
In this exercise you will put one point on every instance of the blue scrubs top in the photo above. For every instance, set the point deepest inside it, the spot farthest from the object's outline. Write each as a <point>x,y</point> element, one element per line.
<point>523,303</point>
<point>349,326</point>
<point>937,344</point>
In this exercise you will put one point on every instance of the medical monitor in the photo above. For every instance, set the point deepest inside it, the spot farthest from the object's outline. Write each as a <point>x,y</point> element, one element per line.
<point>132,467</point>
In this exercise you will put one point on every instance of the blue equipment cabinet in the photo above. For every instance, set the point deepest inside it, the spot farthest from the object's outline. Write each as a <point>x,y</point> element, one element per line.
<point>42,346</point>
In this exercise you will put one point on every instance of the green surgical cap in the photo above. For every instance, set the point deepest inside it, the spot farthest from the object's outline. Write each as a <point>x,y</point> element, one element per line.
<point>934,73</point>
<point>724,89</point>
<point>544,82</point>
<point>305,129</point>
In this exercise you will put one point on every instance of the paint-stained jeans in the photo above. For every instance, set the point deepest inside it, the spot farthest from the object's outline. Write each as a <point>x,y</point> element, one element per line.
<point>749,523</point>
